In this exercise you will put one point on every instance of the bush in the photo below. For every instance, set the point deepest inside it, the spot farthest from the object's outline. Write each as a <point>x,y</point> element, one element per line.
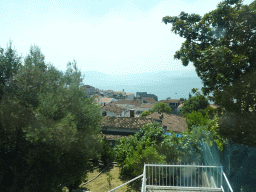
<point>145,113</point>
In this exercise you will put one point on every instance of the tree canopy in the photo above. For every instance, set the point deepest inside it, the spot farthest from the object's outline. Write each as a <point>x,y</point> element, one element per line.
<point>222,47</point>
<point>145,113</point>
<point>196,103</point>
<point>162,107</point>
<point>148,145</point>
<point>48,127</point>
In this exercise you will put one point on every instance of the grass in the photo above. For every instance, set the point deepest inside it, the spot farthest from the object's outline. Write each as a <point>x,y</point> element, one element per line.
<point>101,184</point>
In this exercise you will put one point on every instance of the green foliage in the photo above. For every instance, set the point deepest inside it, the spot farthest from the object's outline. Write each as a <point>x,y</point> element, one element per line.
<point>107,154</point>
<point>10,63</point>
<point>47,124</point>
<point>145,113</point>
<point>221,45</point>
<point>196,119</point>
<point>162,107</point>
<point>204,125</point>
<point>239,128</point>
<point>196,103</point>
<point>145,146</point>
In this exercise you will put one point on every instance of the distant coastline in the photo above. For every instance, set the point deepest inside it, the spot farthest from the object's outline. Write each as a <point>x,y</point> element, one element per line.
<point>173,84</point>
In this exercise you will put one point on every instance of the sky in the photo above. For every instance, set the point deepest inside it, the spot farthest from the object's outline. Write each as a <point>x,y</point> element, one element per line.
<point>109,36</point>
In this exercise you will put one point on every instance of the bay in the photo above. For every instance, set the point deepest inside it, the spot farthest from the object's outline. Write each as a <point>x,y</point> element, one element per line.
<point>173,84</point>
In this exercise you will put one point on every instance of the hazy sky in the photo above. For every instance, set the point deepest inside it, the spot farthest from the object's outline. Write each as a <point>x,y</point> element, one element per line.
<point>110,36</point>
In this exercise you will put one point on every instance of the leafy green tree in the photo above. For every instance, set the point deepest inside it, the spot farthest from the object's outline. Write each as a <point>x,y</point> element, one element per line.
<point>146,146</point>
<point>189,95</point>
<point>196,119</point>
<point>9,65</point>
<point>162,107</point>
<point>221,45</point>
<point>48,127</point>
<point>240,128</point>
<point>145,113</point>
<point>196,103</point>
<point>107,154</point>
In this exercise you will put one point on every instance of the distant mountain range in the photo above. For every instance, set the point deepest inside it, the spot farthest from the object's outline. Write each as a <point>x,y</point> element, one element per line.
<point>174,84</point>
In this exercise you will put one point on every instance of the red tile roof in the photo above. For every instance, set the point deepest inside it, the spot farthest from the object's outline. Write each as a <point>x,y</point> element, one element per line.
<point>125,122</point>
<point>172,121</point>
<point>113,108</point>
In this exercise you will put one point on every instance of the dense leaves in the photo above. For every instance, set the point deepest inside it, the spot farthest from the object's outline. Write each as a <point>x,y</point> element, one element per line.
<point>158,107</point>
<point>196,118</point>
<point>222,47</point>
<point>162,107</point>
<point>107,153</point>
<point>48,125</point>
<point>240,128</point>
<point>196,103</point>
<point>145,113</point>
<point>148,145</point>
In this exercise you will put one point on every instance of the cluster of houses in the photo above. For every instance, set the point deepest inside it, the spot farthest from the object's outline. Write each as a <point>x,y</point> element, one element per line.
<point>121,112</point>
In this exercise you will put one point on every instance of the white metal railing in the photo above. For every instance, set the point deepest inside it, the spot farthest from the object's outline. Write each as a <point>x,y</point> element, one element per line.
<point>143,187</point>
<point>126,183</point>
<point>227,187</point>
<point>182,177</point>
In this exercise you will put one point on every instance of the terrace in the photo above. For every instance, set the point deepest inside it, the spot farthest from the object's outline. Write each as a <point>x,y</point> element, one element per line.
<point>184,178</point>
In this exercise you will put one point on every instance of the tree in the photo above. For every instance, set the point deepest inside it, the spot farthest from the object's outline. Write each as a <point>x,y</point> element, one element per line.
<point>189,95</point>
<point>9,65</point>
<point>162,107</point>
<point>221,45</point>
<point>196,103</point>
<point>145,113</point>
<point>148,145</point>
<point>49,128</point>
<point>196,119</point>
<point>240,128</point>
<point>107,153</point>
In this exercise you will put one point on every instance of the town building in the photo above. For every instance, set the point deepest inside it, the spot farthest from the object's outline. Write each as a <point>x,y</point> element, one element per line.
<point>172,122</point>
<point>112,109</point>
<point>90,90</point>
<point>148,100</point>
<point>115,127</point>
<point>105,101</point>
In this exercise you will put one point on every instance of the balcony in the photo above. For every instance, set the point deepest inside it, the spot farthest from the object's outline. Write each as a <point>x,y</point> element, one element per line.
<point>186,178</point>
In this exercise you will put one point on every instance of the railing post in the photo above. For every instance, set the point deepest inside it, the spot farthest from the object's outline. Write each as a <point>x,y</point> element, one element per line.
<point>221,175</point>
